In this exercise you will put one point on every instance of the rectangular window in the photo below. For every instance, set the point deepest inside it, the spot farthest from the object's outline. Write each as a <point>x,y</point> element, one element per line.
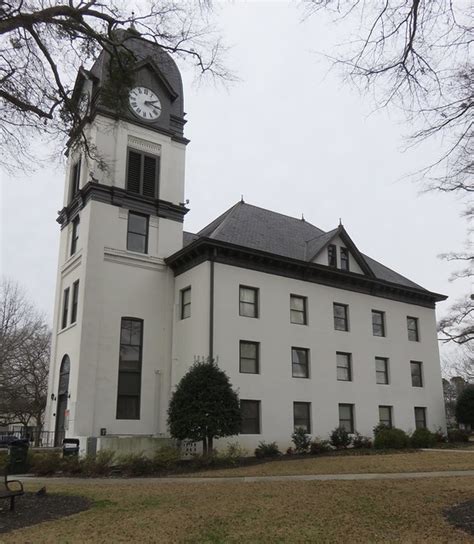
<point>381,370</point>
<point>344,367</point>
<point>137,233</point>
<point>420,417</point>
<point>130,369</point>
<point>298,310</point>
<point>302,416</point>
<point>248,301</point>
<point>416,373</point>
<point>300,362</point>
<point>412,326</point>
<point>385,416</point>
<point>341,321</point>
<point>346,417</point>
<point>378,323</point>
<point>332,255</point>
<point>143,173</point>
<point>249,357</point>
<point>185,303</point>
<point>250,410</point>
<point>65,308</point>
<point>74,235</point>
<point>75,180</point>
<point>75,298</point>
<point>344,258</point>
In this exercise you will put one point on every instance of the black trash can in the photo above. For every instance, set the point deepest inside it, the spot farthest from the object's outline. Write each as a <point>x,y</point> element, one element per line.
<point>18,456</point>
<point>70,447</point>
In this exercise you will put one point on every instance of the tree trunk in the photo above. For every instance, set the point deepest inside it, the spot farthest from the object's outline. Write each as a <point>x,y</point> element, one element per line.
<point>204,446</point>
<point>210,445</point>
<point>39,429</point>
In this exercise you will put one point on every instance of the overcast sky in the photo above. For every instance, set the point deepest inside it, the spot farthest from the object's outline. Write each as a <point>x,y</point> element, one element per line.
<point>290,136</point>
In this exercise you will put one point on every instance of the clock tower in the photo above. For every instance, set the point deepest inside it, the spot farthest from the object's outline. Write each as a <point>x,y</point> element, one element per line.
<point>122,216</point>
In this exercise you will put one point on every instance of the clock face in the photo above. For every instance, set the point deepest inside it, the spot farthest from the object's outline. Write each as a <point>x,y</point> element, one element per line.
<point>144,103</point>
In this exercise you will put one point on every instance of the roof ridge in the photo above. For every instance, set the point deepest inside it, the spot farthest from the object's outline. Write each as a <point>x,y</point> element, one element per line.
<point>216,223</point>
<point>320,235</point>
<point>226,218</point>
<point>282,214</point>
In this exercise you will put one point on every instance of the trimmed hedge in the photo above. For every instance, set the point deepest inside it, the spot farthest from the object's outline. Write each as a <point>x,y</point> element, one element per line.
<point>393,438</point>
<point>422,438</point>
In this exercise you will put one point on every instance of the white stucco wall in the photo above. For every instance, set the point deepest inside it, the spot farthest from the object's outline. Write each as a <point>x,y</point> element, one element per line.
<point>277,389</point>
<point>116,283</point>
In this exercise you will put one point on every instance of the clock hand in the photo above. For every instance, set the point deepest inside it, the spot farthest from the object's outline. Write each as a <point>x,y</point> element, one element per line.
<point>152,102</point>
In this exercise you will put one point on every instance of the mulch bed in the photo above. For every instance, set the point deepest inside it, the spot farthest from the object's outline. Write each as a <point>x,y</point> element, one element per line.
<point>462,516</point>
<point>31,509</point>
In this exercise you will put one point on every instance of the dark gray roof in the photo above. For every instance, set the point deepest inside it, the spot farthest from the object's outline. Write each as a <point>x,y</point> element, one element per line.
<point>264,230</point>
<point>260,229</point>
<point>146,50</point>
<point>189,237</point>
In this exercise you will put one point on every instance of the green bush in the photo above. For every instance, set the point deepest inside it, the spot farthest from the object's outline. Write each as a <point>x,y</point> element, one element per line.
<point>135,464</point>
<point>45,463</point>
<point>422,438</point>
<point>301,440</point>
<point>166,458</point>
<point>267,450</point>
<point>99,464</point>
<point>204,406</point>
<point>319,446</point>
<point>71,465</point>
<point>359,441</point>
<point>233,454</point>
<point>391,439</point>
<point>380,427</point>
<point>458,435</point>
<point>340,438</point>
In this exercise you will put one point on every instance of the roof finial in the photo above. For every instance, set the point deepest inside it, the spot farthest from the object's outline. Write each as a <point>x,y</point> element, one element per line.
<point>340,222</point>
<point>302,217</point>
<point>242,198</point>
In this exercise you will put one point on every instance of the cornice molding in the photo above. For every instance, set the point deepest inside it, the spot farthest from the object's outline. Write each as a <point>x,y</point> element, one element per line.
<point>98,110</point>
<point>121,198</point>
<point>206,249</point>
<point>133,259</point>
<point>73,262</point>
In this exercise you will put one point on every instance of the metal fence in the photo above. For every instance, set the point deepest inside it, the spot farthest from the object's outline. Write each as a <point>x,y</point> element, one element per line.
<point>37,439</point>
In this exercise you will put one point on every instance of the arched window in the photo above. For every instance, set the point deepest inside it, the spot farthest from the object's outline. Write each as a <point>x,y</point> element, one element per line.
<point>64,375</point>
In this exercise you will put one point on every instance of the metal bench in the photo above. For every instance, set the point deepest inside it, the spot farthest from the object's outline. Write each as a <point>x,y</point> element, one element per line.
<point>9,489</point>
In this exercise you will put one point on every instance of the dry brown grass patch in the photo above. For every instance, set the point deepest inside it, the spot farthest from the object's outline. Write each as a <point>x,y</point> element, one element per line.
<point>419,461</point>
<point>235,512</point>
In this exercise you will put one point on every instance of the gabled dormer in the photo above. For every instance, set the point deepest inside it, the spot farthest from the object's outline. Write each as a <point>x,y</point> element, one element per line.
<point>337,250</point>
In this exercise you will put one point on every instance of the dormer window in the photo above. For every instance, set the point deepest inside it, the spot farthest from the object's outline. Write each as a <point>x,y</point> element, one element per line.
<point>344,258</point>
<point>143,173</point>
<point>332,255</point>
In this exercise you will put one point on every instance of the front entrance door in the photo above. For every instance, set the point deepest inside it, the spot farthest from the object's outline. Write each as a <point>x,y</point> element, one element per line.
<point>63,395</point>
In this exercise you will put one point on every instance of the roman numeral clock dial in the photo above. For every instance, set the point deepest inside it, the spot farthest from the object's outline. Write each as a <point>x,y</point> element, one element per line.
<point>144,103</point>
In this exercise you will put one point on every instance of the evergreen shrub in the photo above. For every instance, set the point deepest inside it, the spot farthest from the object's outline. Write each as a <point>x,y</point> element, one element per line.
<point>393,438</point>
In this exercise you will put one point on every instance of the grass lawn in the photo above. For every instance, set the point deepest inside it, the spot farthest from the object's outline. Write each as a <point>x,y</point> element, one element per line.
<point>270,512</point>
<point>419,461</point>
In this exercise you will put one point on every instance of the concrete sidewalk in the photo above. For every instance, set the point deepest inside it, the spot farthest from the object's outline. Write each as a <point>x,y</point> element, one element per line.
<point>251,479</point>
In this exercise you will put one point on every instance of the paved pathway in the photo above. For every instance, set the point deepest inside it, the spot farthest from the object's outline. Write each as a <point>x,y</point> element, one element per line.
<point>457,450</point>
<point>248,479</point>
